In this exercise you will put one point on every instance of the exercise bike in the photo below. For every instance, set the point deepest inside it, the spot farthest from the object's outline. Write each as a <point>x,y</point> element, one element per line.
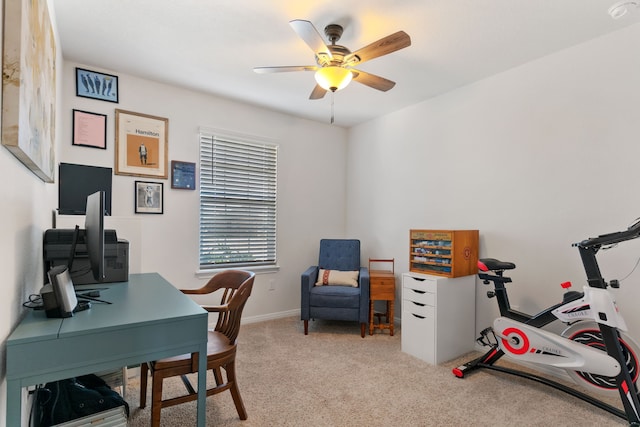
<point>594,349</point>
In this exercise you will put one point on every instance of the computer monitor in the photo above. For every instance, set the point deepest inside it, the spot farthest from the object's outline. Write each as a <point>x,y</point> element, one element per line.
<point>94,234</point>
<point>76,182</point>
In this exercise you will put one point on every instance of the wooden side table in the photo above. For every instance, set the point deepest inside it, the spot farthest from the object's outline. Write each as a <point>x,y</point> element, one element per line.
<point>382,285</point>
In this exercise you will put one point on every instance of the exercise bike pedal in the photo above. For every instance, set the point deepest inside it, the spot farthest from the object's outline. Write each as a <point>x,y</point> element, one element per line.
<point>487,338</point>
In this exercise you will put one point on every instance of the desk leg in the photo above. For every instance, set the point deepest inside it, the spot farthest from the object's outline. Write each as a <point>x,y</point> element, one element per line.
<point>202,385</point>
<point>14,403</point>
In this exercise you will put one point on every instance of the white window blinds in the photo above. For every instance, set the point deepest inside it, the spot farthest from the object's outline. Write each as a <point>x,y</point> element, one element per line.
<point>237,202</point>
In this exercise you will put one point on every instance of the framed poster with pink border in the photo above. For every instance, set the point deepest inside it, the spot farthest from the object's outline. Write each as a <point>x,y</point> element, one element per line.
<point>89,129</point>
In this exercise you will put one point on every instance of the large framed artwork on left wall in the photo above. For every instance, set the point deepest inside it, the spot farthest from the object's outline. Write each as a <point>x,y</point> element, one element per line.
<point>29,85</point>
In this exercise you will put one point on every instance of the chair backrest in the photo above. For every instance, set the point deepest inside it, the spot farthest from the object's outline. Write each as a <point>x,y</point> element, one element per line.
<point>339,254</point>
<point>229,321</point>
<point>236,286</point>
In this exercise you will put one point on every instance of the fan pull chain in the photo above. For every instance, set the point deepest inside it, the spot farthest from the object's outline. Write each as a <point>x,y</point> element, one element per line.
<point>332,94</point>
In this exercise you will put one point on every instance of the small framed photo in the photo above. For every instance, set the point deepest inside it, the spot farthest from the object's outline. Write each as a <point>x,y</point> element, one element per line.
<point>183,175</point>
<point>141,145</point>
<point>89,129</point>
<point>92,84</point>
<point>149,197</point>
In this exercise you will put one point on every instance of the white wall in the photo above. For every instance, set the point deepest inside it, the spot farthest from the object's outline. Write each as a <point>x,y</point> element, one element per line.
<point>168,243</point>
<point>311,194</point>
<point>536,158</point>
<point>311,197</point>
<point>24,215</point>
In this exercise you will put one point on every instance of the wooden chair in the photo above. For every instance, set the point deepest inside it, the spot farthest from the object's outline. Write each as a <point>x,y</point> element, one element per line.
<point>236,287</point>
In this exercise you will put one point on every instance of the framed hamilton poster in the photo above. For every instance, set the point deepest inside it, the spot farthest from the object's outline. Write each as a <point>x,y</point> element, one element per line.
<point>141,144</point>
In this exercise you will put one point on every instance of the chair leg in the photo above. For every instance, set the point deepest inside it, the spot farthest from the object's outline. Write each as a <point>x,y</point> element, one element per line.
<point>306,327</point>
<point>217,374</point>
<point>156,399</point>
<point>187,384</point>
<point>362,328</point>
<point>144,371</point>
<point>235,391</point>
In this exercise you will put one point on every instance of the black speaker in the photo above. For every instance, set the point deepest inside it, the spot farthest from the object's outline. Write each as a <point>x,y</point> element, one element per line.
<point>59,295</point>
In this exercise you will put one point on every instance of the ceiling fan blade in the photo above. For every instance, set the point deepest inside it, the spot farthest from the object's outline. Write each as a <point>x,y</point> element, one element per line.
<point>266,70</point>
<point>372,80</point>
<point>384,46</point>
<point>317,93</point>
<point>307,32</point>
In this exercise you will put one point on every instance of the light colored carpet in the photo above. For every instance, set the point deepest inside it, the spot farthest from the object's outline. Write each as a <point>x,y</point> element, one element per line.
<point>332,377</point>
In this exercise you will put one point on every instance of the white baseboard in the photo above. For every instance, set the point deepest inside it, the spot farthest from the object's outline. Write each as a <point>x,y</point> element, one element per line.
<point>270,316</point>
<point>283,314</point>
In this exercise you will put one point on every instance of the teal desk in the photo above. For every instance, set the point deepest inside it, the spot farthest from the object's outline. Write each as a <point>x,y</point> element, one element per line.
<point>148,320</point>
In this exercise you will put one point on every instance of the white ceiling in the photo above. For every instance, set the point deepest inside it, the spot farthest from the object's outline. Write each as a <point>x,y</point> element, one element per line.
<point>212,45</point>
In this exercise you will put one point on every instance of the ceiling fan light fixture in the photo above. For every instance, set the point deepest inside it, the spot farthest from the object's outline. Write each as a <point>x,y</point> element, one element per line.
<point>333,78</point>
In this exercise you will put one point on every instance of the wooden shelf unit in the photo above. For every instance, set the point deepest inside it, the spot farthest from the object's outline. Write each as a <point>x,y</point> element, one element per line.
<point>382,287</point>
<point>446,253</point>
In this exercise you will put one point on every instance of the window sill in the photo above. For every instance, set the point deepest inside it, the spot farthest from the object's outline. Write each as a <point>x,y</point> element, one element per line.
<point>261,269</point>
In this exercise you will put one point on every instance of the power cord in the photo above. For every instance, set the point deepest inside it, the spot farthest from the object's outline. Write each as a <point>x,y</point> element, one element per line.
<point>41,396</point>
<point>613,245</point>
<point>632,270</point>
<point>34,302</point>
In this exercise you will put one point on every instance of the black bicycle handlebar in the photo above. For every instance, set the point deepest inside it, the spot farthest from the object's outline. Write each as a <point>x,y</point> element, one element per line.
<point>630,233</point>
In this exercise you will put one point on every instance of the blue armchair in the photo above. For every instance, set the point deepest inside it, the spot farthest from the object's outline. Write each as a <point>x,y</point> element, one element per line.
<point>336,302</point>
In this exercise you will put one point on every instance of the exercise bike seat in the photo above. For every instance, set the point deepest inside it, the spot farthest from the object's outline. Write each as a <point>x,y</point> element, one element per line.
<point>571,296</point>
<point>492,264</point>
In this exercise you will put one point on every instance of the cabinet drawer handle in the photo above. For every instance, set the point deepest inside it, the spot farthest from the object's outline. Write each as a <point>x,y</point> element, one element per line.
<point>418,303</point>
<point>419,292</point>
<point>419,279</point>
<point>418,316</point>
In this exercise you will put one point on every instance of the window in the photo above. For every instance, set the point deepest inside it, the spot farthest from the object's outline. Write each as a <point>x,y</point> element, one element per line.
<point>237,202</point>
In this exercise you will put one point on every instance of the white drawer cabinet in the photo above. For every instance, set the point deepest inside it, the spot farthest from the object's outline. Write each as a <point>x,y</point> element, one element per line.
<point>438,316</point>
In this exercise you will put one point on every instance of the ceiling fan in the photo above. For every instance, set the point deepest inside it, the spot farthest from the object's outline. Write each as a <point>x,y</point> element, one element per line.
<point>334,69</point>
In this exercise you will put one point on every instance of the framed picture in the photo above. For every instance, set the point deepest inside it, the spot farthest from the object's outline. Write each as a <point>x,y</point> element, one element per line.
<point>92,84</point>
<point>183,175</point>
<point>89,129</point>
<point>29,86</point>
<point>149,197</point>
<point>141,145</point>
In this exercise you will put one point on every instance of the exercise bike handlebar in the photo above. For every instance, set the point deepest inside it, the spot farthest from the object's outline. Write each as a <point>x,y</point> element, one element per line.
<point>630,233</point>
